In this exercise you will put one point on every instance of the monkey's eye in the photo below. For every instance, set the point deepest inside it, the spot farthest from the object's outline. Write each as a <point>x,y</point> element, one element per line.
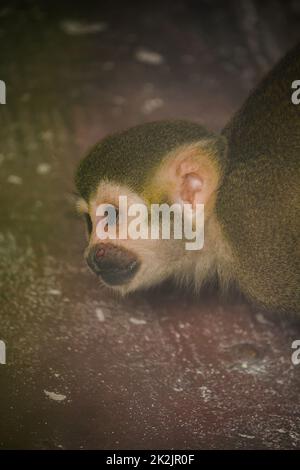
<point>112,216</point>
<point>89,223</point>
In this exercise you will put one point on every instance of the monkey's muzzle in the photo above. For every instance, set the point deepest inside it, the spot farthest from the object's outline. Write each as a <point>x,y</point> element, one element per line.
<point>114,264</point>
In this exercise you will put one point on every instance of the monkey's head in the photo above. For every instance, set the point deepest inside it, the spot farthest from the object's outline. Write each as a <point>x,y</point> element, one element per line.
<point>163,162</point>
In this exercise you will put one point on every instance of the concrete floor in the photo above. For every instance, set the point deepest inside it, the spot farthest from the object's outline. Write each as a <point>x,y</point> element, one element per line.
<point>161,369</point>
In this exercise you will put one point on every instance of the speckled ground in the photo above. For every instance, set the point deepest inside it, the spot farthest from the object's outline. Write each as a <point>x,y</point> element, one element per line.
<point>161,369</point>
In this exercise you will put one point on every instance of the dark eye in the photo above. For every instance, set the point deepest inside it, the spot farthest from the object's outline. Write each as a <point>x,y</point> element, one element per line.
<point>112,216</point>
<point>89,223</point>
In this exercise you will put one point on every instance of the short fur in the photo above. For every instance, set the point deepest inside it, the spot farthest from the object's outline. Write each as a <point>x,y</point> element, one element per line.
<point>252,233</point>
<point>129,157</point>
<point>259,202</point>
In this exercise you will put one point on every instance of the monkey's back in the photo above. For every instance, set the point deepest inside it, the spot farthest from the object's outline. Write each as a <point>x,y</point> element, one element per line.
<point>259,200</point>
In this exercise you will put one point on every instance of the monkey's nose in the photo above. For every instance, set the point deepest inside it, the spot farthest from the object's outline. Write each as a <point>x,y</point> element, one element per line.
<point>114,264</point>
<point>99,253</point>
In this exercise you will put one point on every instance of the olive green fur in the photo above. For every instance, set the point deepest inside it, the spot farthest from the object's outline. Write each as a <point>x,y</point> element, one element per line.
<point>258,204</point>
<point>129,157</point>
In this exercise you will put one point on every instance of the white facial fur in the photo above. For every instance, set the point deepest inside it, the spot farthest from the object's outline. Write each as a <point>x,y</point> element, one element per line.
<point>160,259</point>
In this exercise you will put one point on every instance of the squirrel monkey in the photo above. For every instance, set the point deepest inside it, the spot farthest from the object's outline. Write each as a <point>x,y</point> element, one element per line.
<point>247,178</point>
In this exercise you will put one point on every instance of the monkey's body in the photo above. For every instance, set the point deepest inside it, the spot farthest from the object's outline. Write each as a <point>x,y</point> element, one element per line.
<point>251,195</point>
<point>258,203</point>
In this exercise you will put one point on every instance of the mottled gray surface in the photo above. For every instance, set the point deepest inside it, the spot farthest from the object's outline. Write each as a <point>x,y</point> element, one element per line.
<point>162,369</point>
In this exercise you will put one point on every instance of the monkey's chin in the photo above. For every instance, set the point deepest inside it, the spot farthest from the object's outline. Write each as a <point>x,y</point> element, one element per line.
<point>134,286</point>
<point>119,279</point>
<point>127,288</point>
<point>139,281</point>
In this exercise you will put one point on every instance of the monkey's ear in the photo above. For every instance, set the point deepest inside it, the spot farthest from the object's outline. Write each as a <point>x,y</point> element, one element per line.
<point>192,173</point>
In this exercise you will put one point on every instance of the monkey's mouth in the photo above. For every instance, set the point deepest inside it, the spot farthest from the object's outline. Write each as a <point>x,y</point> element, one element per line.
<point>117,276</point>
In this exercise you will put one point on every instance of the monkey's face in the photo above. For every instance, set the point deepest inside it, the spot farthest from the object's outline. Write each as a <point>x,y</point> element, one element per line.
<point>152,164</point>
<point>123,263</point>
